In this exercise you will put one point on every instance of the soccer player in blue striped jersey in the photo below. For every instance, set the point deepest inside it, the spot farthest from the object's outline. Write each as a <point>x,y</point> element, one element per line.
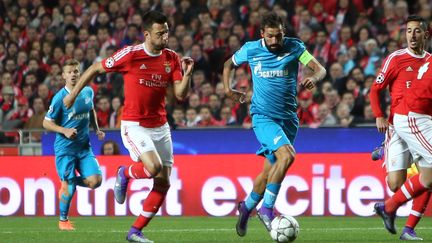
<point>72,144</point>
<point>274,62</point>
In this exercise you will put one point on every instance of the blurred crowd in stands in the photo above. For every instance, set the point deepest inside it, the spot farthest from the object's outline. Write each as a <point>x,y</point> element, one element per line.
<point>349,37</point>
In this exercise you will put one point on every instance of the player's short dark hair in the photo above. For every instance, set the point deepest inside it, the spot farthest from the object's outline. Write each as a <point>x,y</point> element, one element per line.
<point>271,20</point>
<point>421,20</point>
<point>151,17</point>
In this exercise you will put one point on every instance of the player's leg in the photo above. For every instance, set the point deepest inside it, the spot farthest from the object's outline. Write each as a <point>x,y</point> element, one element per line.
<point>151,205</point>
<point>90,173</point>
<point>141,148</point>
<point>276,138</point>
<point>66,170</point>
<point>161,183</point>
<point>397,160</point>
<point>245,207</point>
<point>418,143</point>
<point>285,157</point>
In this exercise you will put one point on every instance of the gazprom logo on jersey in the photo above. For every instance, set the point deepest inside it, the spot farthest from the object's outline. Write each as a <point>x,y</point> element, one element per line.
<point>270,73</point>
<point>73,115</point>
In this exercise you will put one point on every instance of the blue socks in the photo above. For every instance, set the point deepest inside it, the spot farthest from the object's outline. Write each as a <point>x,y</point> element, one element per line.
<point>65,199</point>
<point>270,195</point>
<point>252,200</point>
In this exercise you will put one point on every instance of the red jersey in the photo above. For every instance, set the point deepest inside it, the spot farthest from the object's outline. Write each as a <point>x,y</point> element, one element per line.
<point>418,97</point>
<point>146,78</point>
<point>398,71</point>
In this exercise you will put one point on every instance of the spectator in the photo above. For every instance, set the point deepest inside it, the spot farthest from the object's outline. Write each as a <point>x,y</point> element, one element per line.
<point>116,114</point>
<point>178,117</point>
<point>214,104</point>
<point>110,147</point>
<point>103,112</point>
<point>45,94</point>
<point>19,117</point>
<point>35,122</point>
<point>192,117</point>
<point>194,101</point>
<point>227,119</point>
<point>7,103</point>
<point>325,116</point>
<point>307,110</point>
<point>343,115</point>
<point>207,119</point>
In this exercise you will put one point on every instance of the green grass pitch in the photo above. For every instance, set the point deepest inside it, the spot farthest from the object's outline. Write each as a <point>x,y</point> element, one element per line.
<point>200,229</point>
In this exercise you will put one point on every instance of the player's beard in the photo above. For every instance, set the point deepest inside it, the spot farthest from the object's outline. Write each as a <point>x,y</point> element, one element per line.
<point>161,46</point>
<point>275,48</point>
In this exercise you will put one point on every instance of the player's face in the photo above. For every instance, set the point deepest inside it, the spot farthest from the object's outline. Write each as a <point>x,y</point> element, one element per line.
<point>71,75</point>
<point>415,36</point>
<point>273,38</point>
<point>158,36</point>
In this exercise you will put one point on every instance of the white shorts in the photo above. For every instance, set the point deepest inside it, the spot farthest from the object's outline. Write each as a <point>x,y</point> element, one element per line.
<point>138,140</point>
<point>416,130</point>
<point>397,155</point>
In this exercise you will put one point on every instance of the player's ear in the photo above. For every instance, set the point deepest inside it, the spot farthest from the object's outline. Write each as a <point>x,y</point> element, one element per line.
<point>426,36</point>
<point>262,33</point>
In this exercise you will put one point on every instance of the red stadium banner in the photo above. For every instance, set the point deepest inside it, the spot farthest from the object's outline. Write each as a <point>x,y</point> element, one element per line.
<point>202,185</point>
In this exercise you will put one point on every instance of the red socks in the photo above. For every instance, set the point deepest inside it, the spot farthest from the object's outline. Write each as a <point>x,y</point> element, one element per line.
<point>410,189</point>
<point>419,206</point>
<point>150,207</point>
<point>137,171</point>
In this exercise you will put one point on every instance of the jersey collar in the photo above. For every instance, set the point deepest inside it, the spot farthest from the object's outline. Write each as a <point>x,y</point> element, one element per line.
<point>415,55</point>
<point>68,90</point>
<point>148,53</point>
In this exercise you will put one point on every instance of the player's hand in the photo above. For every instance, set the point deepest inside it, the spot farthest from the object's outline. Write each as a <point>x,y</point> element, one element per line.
<point>100,134</point>
<point>382,124</point>
<point>68,100</point>
<point>70,133</point>
<point>308,82</point>
<point>236,95</point>
<point>187,65</point>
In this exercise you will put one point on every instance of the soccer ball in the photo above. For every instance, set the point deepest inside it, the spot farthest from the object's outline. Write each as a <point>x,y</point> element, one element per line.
<point>284,229</point>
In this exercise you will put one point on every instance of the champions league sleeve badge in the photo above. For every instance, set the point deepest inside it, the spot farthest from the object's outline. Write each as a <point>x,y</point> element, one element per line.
<point>109,63</point>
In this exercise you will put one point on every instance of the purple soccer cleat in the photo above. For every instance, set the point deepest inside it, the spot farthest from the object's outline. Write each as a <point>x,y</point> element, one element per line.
<point>135,235</point>
<point>243,218</point>
<point>388,219</point>
<point>378,153</point>
<point>409,234</point>
<point>266,215</point>
<point>120,186</point>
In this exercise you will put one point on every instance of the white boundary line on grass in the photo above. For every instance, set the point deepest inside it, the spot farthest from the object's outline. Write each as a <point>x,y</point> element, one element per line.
<point>207,230</point>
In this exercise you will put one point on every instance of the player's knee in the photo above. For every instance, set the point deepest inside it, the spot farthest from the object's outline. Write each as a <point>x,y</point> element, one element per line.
<point>154,168</point>
<point>286,156</point>
<point>395,183</point>
<point>94,182</point>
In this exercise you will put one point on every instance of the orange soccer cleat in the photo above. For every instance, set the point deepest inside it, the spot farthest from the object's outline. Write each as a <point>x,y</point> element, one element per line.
<point>66,225</point>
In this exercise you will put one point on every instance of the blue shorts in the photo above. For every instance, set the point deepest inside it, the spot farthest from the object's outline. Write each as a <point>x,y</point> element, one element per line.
<point>273,133</point>
<point>85,163</point>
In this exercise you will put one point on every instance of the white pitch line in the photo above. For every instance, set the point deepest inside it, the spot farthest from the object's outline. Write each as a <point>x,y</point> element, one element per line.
<point>208,230</point>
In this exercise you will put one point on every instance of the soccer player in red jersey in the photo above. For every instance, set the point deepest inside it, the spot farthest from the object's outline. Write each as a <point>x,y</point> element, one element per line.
<point>398,71</point>
<point>413,123</point>
<point>148,69</point>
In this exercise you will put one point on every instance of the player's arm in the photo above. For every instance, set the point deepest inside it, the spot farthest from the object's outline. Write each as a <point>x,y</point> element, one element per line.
<point>85,78</point>
<point>318,71</point>
<point>227,78</point>
<point>181,87</point>
<point>383,79</point>
<point>50,125</point>
<point>95,125</point>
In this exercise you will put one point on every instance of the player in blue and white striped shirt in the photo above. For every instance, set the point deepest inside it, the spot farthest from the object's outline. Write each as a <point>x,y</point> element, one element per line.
<point>274,62</point>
